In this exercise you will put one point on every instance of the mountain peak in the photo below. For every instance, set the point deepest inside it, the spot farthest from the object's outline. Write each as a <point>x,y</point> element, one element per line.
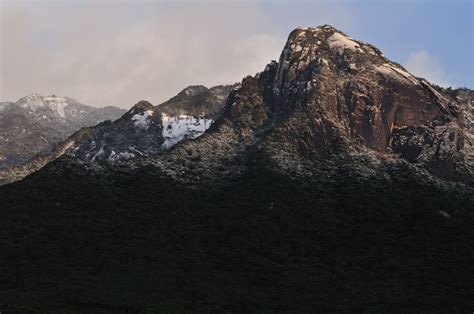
<point>30,97</point>
<point>141,106</point>
<point>325,27</point>
<point>33,99</point>
<point>326,38</point>
<point>34,96</point>
<point>193,90</point>
<point>351,97</point>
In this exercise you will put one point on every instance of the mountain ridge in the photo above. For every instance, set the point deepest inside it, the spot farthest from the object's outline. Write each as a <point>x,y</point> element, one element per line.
<point>143,129</point>
<point>341,70</point>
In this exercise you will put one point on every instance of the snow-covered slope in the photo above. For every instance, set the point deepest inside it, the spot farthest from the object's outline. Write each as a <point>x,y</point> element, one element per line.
<point>177,128</point>
<point>59,109</point>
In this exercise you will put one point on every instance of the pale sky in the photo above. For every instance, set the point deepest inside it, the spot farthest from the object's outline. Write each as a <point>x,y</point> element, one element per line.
<point>108,52</point>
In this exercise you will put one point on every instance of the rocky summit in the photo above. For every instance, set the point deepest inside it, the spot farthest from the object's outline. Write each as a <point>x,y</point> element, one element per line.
<point>345,91</point>
<point>332,181</point>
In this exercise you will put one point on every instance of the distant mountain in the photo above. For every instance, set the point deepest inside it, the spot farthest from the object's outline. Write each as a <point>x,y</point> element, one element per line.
<point>35,124</point>
<point>334,181</point>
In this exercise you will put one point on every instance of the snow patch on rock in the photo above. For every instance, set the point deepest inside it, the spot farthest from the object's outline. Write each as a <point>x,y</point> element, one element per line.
<point>57,104</point>
<point>53,103</point>
<point>31,102</point>
<point>178,128</point>
<point>120,156</point>
<point>142,120</point>
<point>396,73</point>
<point>99,153</point>
<point>340,43</point>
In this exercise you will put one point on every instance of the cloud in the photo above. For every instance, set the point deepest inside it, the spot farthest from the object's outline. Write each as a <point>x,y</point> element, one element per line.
<point>117,56</point>
<point>423,64</point>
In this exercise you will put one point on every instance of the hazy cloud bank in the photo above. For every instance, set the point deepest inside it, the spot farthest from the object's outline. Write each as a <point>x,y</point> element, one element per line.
<point>109,56</point>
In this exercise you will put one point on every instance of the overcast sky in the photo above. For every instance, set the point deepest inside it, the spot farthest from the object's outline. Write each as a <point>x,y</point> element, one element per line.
<point>116,53</point>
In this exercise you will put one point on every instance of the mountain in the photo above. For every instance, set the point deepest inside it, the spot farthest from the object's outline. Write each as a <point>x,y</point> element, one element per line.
<point>143,130</point>
<point>35,124</point>
<point>332,181</point>
<point>146,129</point>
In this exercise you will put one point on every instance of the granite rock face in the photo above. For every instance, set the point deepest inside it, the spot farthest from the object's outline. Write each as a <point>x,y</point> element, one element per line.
<point>348,91</point>
<point>330,92</point>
